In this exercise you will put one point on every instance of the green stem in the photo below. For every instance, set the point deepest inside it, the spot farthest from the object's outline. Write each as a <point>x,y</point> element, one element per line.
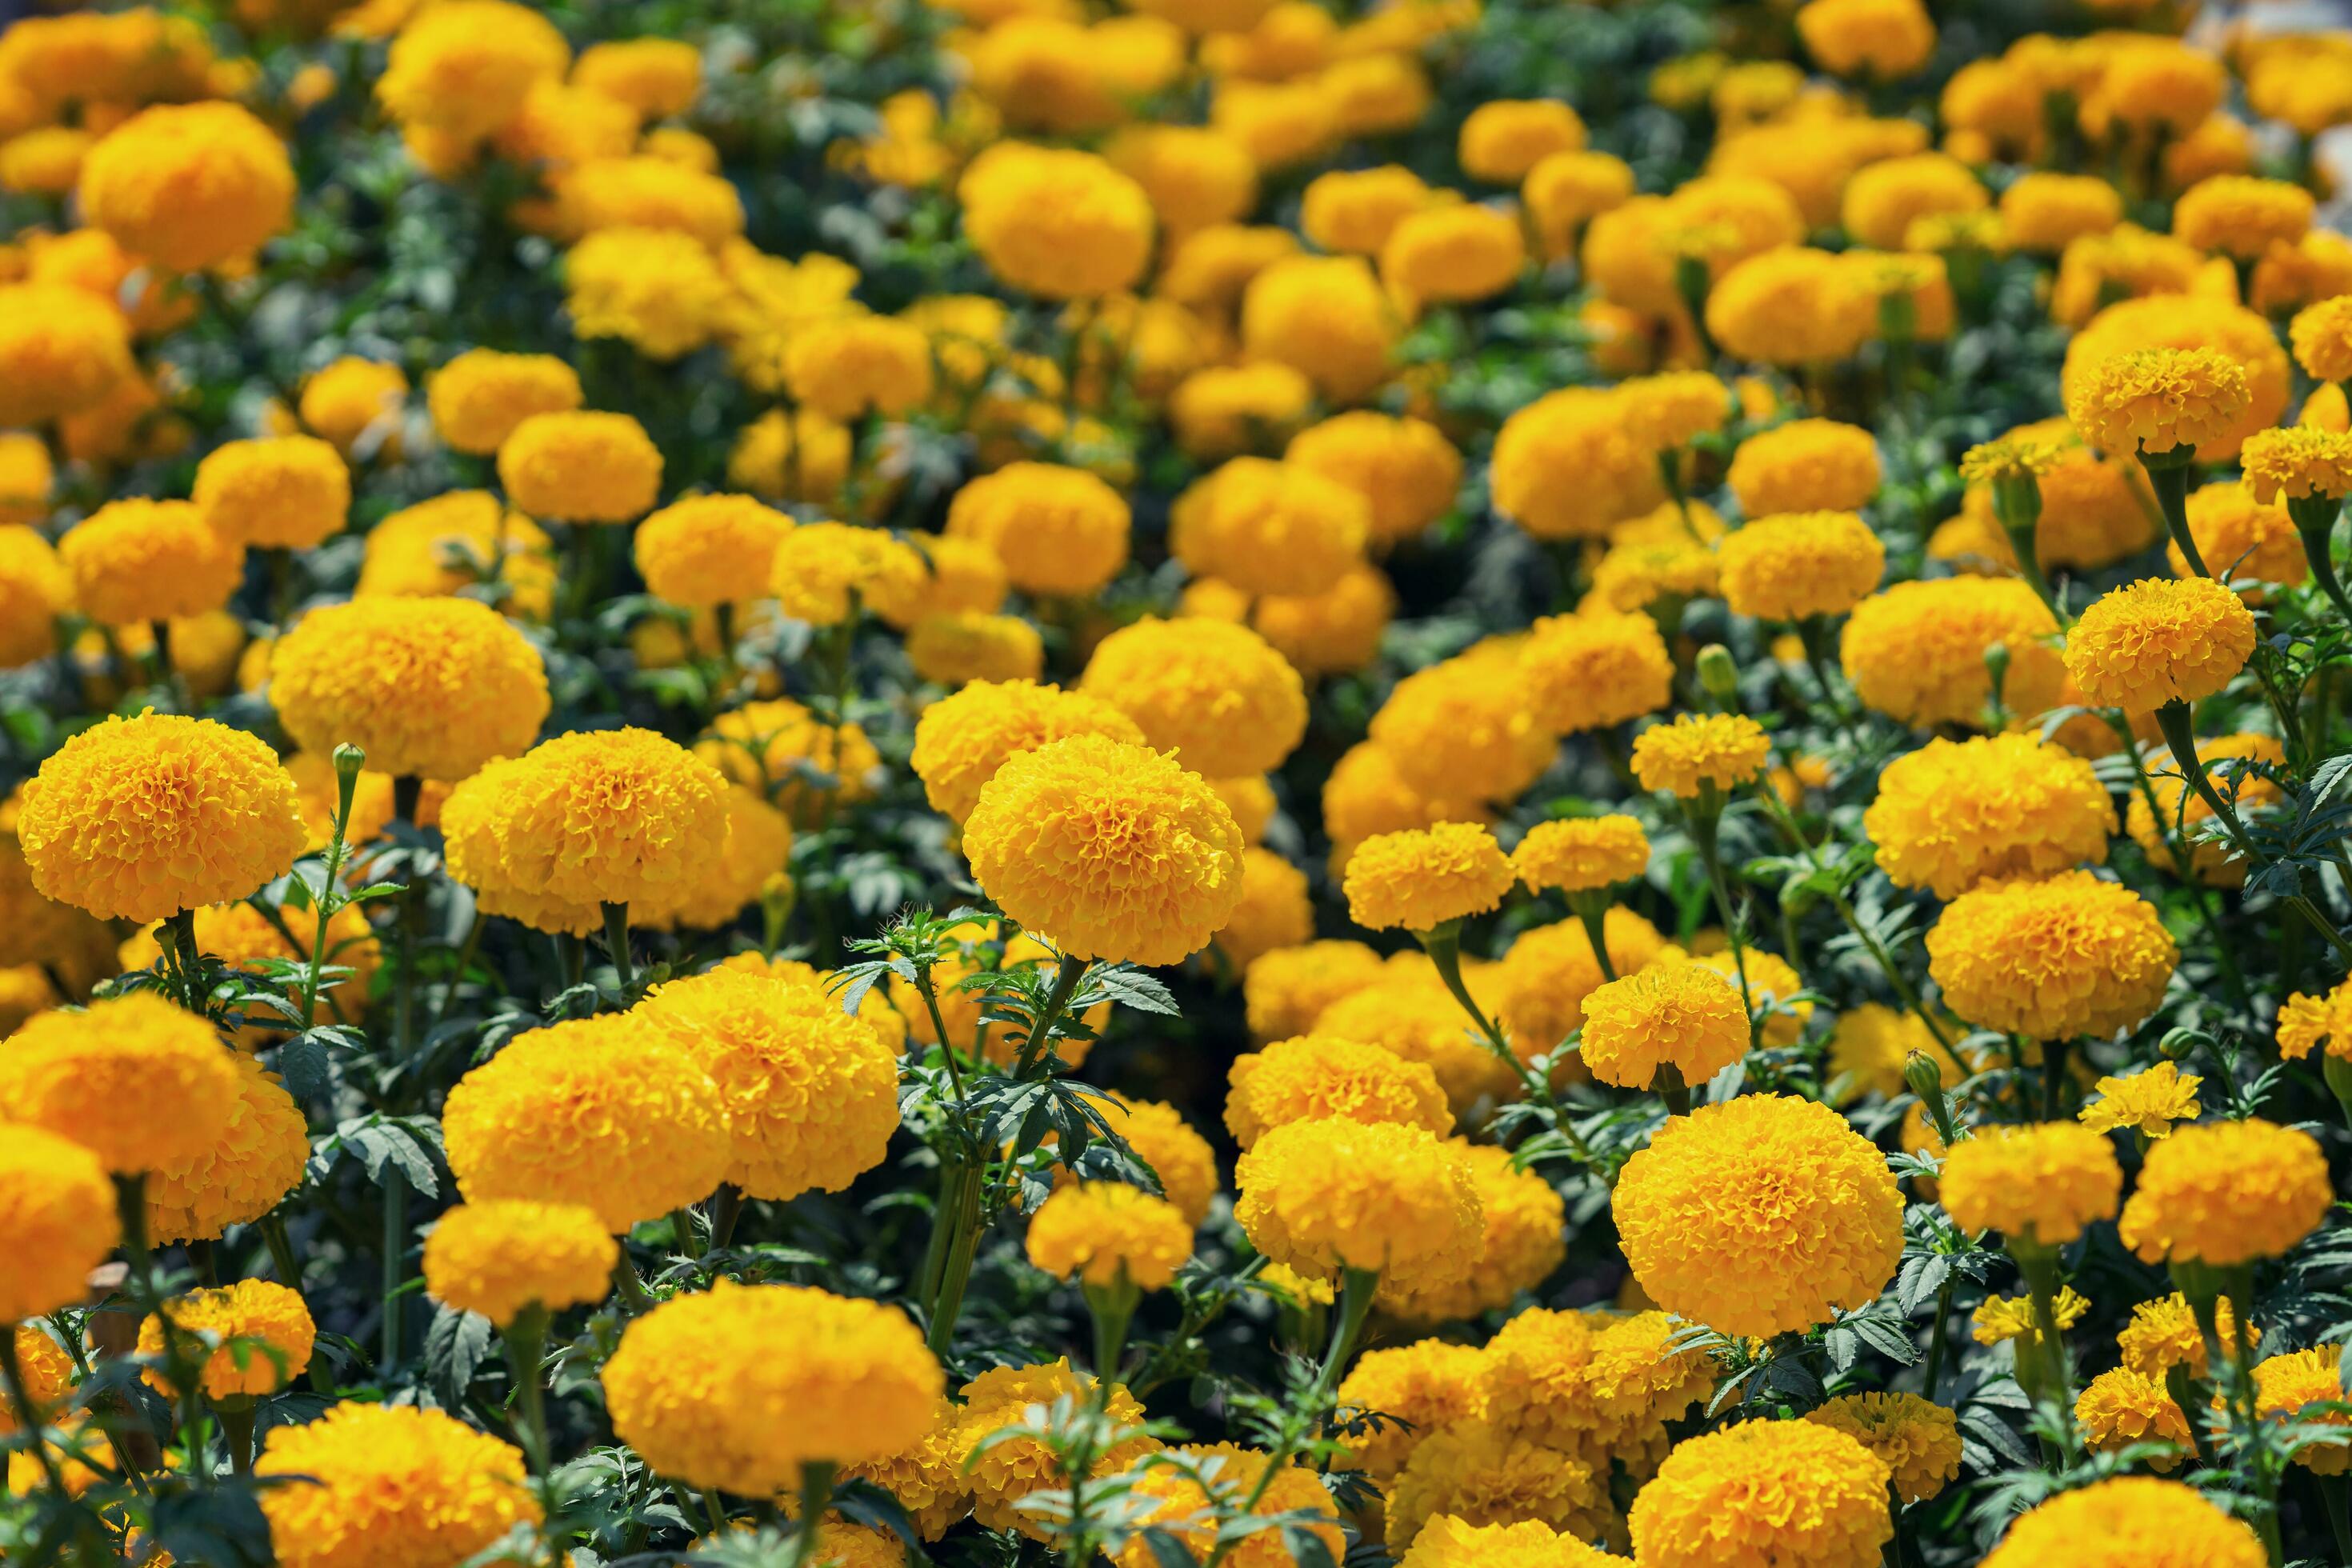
<point>616,940</point>
<point>2168,476</point>
<point>631,1288</point>
<point>816,1497</point>
<point>955,1271</point>
<point>281,1252</point>
<point>1065,983</point>
<point>236,1431</point>
<point>726,1211</point>
<point>396,1259</point>
<point>1940,1337</point>
<point>526,1339</point>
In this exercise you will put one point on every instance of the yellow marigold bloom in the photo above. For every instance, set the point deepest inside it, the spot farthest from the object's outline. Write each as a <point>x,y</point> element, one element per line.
<point>2051,960</point>
<point>1112,849</point>
<point>1454,254</point>
<point>2039,1185</point>
<point>709,548</point>
<point>825,572</point>
<point>2163,1334</point>
<point>1370,791</point>
<point>1542,982</point>
<point>1566,191</point>
<point>1955,812</point>
<point>1003,1473</point>
<point>1676,1015</point>
<point>1594,671</point>
<point>2046,212</point>
<point>581,467</point>
<point>1770,988</point>
<point>456,539</point>
<point>658,77</point>
<point>261,1323</point>
<point>558,127</point>
<point>967,645</point>
<point>1709,1215</point>
<point>1281,123</point>
<point>1156,1133</point>
<point>2215,865</point>
<point>188,186</point>
<point>2307,1023</point>
<point>810,1092</point>
<point>657,290</point>
<point>962,740</point>
<point>614,816</point>
<point>429,687</point>
<point>57,1220</point>
<point>604,1112</point>
<point>1219,411</point>
<point>1326,317</point>
<point>1330,1193</point>
<point>1878,41</point>
<point>140,818</point>
<point>1794,565</point>
<point>2253,540</point>
<point>1107,1234</point>
<point>2158,641</point>
<point>1480,1475</point>
<point>1374,91</point>
<point>356,401</point>
<point>1792,306</point>
<point>1270,528</point>
<point>286,491</point>
<point>851,365</point>
<point>2188,325</point>
<point>1581,854</point>
<point>1059,530</point>
<point>1405,469</point>
<point>1275,910</point>
<point>926,1476</point>
<point>2133,1521</point>
<point>2157,400</point>
<point>2297,461</point>
<point>1914,651</point>
<point>1422,879</point>
<point>1765,1491</point>
<point>1918,1439</point>
<point>47,1368</point>
<point>2286,1384</point>
<point>26,477</point>
<point>254,1158</point>
<point>1218,695</point>
<point>642,194</point>
<point>2148,1102</point>
<point>1668,412</point>
<point>1505,138</point>
<point>1335,632</point>
<point>150,561</point>
<point>2241,216</point>
<point>1354,211</point>
<point>63,350</point>
<point>45,161</point>
<point>2322,335</point>
<point>1566,466</point>
<point>1524,1241</point>
<point>1425,1386</point>
<point>1447,1541</point>
<point>34,589</point>
<point>1195,176</point>
<point>2120,1407</point>
<point>1175,1501</point>
<point>1056,223</point>
<point>1313,1077</point>
<point>390,1484</point>
<point>1805,465</point>
<point>500,1257</point>
<point>466,72</point>
<point>1698,751</point>
<point>1286,990</point>
<point>477,399</point>
<point>2226,1193</point>
<point>960,576</point>
<point>1882,200</point>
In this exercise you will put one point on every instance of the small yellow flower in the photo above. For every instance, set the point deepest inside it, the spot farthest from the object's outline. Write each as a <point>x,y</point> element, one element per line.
<point>2147,1102</point>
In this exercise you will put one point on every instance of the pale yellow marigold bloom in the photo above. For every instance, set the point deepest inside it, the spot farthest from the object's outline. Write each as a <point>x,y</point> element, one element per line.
<point>2149,1101</point>
<point>1109,1234</point>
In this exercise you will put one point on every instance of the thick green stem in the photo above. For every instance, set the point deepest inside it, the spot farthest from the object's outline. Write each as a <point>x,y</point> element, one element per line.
<point>2315,522</point>
<point>2167,475</point>
<point>955,1268</point>
<point>616,941</point>
<point>625,1280</point>
<point>236,1431</point>
<point>816,1497</point>
<point>396,1259</point>
<point>1940,1337</point>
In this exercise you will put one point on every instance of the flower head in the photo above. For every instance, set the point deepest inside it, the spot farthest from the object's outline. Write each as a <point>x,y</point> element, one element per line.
<point>1462,731</point>
<point>466,73</point>
<point>477,399</point>
<point>500,1257</point>
<point>2296,461</point>
<point>1955,813</point>
<point>287,492</point>
<point>2001,1317</point>
<point>1425,1386</point>
<point>2068,956</point>
<point>1805,465</point>
<point>1794,1492</point>
<point>709,548</point>
<point>2164,1333</point>
<point>2039,1185</point>
<point>1405,469</point>
<point>1175,1487</point>
<point>253,1161</point>
<point>1332,1193</point>
<point>1581,854</point>
<point>2286,1382</point>
<point>2121,1406</point>
<point>262,1324</point>
<point>63,350</point>
<point>1057,224</point>
<point>1523,1242</point>
<point>1480,1474</point>
<point>1002,1473</point>
<point>1107,1232</point>
<point>2322,335</point>
<point>1218,695</point>
<point>2157,400</point>
<point>2159,640</point>
<point>1670,1014</point>
<point>1423,877</point>
<point>389,1483</point>
<point>579,465</point>
<point>57,1220</point>
<point>1312,1077</point>
<point>1793,566</point>
<point>1594,671</point>
<point>1916,651</point>
<point>189,185</point>
<point>1286,990</point>
<point>149,561</point>
<point>658,290</point>
<point>1059,530</point>
<point>607,816</point>
<point>1270,528</point>
<point>139,1081</point>
<point>1697,751</point>
<point>2148,1102</point>
<point>2226,1193</point>
<point>2132,1521</point>
<point>823,572</point>
<point>1919,1440</point>
<point>1759,1216</point>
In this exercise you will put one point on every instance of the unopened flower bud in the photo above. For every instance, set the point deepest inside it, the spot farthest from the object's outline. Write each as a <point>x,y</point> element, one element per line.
<point>1717,674</point>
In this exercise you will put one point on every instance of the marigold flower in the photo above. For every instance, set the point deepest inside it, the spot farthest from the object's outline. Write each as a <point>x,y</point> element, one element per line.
<point>1405,469</point>
<point>2157,400</point>
<point>1542,982</point>
<point>1914,651</point>
<point>2227,1193</point>
<point>47,1369</point>
<point>1955,812</point>
<point>385,1483</point>
<point>615,816</point>
<point>1454,253</point>
<point>1112,849</point>
<point>810,1092</point>
<point>1919,1440</point>
<point>459,540</point>
<point>1005,1472</point>
<point>2046,211</point>
<point>2307,1023</point>
<point>253,1160</point>
<point>1676,1015</point>
<point>580,466</point>
<point>1579,855</point>
<point>1502,139</point>
<point>2132,1521</point>
<point>1461,732</point>
<point>35,588</point>
<point>1332,1193</point>
<point>1790,306</point>
<point>466,73</point>
<point>1326,317</point>
<point>961,740</point>
<point>1698,751</point>
<point>62,351</point>
<point>1177,1503</point>
<point>262,1324</point>
<point>140,818</point>
<point>606,1112</point>
<point>1805,465</point>
<point>429,687</point>
<point>2249,540</point>
<point>2297,461</point>
<point>657,290</point>
<point>2070,955</point>
<point>2039,1184</point>
<point>1313,1077</point>
<point>853,364</point>
<point>1352,212</point>
<point>189,185</point>
<point>1481,1475</point>
<point>965,646</point>
<point>1705,1218</point>
<point>1594,671</point>
<point>1566,466</point>
<point>2001,1318</point>
<point>1286,990</point>
<point>1794,565</point>
<point>1876,40</point>
<point>2322,335</point>
<point>1109,1234</point>
<point>823,572</point>
<point>1445,1541</point>
<point>926,1476</point>
<point>2286,1382</point>
<point>1425,1387</point>
<point>1566,191</point>
<point>477,399</point>
<point>2164,1333</point>
<point>1524,1241</point>
<point>1056,223</point>
<point>1059,530</point>
<point>1422,879</point>
<point>500,1257</point>
<point>1884,199</point>
<point>142,560</point>
<point>57,1220</point>
<point>709,548</point>
<point>2158,641</point>
<point>2241,216</point>
<point>774,744</point>
<point>2148,1102</point>
<point>1275,910</point>
<point>1216,695</point>
<point>658,77</point>
<point>284,492</point>
<point>1765,1491</point>
<point>2120,1407</point>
